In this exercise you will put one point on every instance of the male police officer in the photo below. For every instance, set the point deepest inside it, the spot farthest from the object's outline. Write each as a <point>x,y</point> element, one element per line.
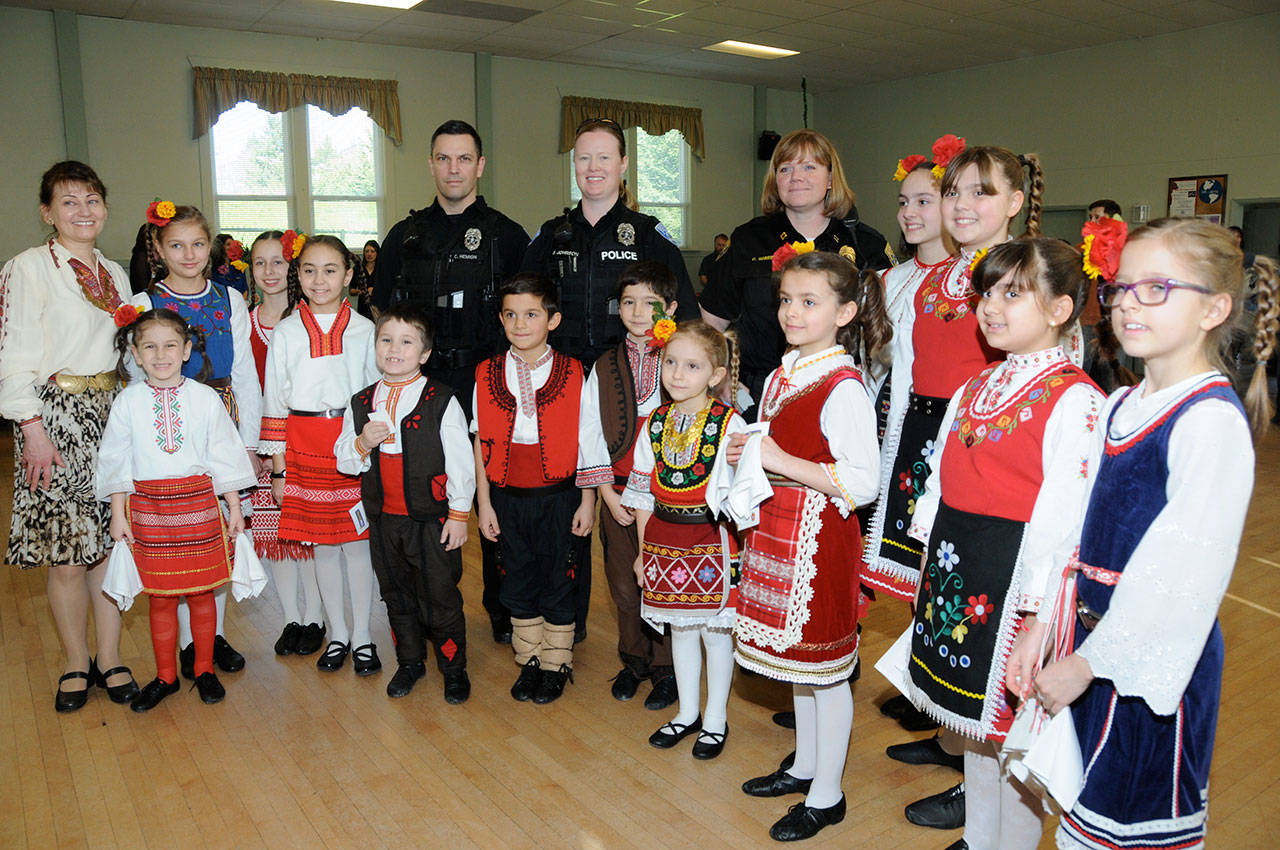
<point>449,259</point>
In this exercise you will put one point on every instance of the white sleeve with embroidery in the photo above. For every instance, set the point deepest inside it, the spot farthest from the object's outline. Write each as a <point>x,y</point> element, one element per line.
<point>244,372</point>
<point>848,422</point>
<point>927,505</point>
<point>637,494</point>
<point>595,451</point>
<point>23,298</point>
<point>1054,528</point>
<point>115,453</point>
<point>351,461</point>
<point>1166,602</point>
<point>277,388</point>
<point>459,459</point>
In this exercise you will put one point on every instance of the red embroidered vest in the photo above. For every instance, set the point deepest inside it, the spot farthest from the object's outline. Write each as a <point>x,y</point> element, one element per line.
<point>686,486</point>
<point>992,464</point>
<point>557,404</point>
<point>795,426</point>
<point>949,346</point>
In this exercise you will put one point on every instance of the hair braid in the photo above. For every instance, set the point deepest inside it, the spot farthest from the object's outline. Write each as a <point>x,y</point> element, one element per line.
<point>1257,400</point>
<point>1035,195</point>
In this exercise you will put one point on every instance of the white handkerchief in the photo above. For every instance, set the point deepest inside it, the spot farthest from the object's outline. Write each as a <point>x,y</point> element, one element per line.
<point>1054,760</point>
<point>121,581</point>
<point>748,485</point>
<point>893,664</point>
<point>248,577</point>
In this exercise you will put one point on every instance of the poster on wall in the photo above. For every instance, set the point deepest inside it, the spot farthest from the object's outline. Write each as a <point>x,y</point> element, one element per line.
<point>1198,197</point>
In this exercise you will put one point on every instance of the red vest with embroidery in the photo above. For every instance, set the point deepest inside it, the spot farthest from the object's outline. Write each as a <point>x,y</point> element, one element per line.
<point>949,346</point>
<point>795,426</point>
<point>557,403</point>
<point>992,464</point>
<point>686,486</point>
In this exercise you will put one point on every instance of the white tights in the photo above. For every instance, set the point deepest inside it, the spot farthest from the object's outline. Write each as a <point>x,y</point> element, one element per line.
<point>999,812</point>
<point>184,617</point>
<point>686,655</point>
<point>286,573</point>
<point>360,583</point>
<point>824,719</point>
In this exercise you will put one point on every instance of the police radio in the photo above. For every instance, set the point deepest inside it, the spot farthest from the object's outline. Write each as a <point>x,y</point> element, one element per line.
<point>561,237</point>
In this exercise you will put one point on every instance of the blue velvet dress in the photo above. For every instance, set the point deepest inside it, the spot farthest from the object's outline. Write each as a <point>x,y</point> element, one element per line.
<point>1146,775</point>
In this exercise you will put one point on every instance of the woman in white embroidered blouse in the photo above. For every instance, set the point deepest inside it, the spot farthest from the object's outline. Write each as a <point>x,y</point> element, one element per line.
<point>57,304</point>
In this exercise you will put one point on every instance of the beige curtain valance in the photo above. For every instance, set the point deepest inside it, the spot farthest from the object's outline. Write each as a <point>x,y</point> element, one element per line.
<point>654,118</point>
<point>219,89</point>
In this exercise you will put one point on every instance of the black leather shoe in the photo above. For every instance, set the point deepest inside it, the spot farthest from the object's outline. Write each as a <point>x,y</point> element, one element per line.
<point>551,684</point>
<point>333,656</point>
<point>670,734</point>
<point>406,676</point>
<point>457,687</point>
<point>776,784</point>
<point>152,693</point>
<point>895,707</point>
<point>119,694</point>
<point>287,643</point>
<point>225,657</point>
<point>940,811</point>
<point>915,720</point>
<point>579,633</point>
<point>64,701</point>
<point>501,630</point>
<point>785,719</point>
<point>527,682</point>
<point>210,688</point>
<point>801,821</point>
<point>788,760</point>
<point>664,693</point>
<point>710,744</point>
<point>959,845</point>
<point>928,751</point>
<point>187,661</point>
<point>625,685</point>
<point>365,660</point>
<point>310,639</point>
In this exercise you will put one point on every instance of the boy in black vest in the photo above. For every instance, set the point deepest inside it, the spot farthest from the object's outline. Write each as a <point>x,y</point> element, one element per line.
<point>406,437</point>
<point>625,386</point>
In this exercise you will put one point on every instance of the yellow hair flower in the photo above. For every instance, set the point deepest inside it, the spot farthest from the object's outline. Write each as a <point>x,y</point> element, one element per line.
<point>1090,268</point>
<point>663,329</point>
<point>901,173</point>
<point>166,209</point>
<point>804,247</point>
<point>938,171</point>
<point>298,242</point>
<point>977,258</point>
<point>239,265</point>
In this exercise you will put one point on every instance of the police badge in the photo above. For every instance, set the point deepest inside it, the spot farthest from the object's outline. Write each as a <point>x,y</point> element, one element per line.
<point>471,239</point>
<point>626,234</point>
<point>849,254</point>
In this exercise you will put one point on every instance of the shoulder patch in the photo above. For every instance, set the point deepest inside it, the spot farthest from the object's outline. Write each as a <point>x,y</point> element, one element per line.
<point>662,231</point>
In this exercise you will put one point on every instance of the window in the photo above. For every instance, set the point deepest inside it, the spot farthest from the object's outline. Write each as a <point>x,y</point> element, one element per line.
<point>658,174</point>
<point>303,168</point>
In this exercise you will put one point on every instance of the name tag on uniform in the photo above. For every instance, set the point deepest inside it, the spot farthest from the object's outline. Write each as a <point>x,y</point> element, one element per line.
<point>613,306</point>
<point>456,300</point>
<point>358,518</point>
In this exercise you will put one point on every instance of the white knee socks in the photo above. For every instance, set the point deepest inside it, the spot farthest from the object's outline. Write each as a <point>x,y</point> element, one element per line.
<point>833,710</point>
<point>999,812</point>
<point>284,573</point>
<point>184,616</point>
<point>329,578</point>
<point>687,643</point>
<point>719,646</point>
<point>686,657</point>
<point>360,582</point>
<point>806,732</point>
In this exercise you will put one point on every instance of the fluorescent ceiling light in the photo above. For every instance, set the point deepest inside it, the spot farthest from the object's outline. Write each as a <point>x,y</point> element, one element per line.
<point>746,48</point>
<point>389,4</point>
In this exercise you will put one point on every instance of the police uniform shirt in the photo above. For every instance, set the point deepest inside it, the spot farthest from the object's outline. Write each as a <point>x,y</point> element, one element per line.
<point>585,261</point>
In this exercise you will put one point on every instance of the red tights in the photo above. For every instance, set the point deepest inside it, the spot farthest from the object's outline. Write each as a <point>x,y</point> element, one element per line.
<point>164,632</point>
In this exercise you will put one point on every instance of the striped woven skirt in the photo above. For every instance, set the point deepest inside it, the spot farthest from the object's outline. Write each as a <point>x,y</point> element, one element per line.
<point>179,540</point>
<point>317,497</point>
<point>264,527</point>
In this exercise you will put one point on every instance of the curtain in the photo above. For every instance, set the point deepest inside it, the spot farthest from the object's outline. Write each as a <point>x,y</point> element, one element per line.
<point>654,118</point>
<point>219,89</point>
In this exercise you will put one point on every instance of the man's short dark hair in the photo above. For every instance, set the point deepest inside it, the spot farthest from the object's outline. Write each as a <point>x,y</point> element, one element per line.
<point>1109,207</point>
<point>458,128</point>
<point>652,274</point>
<point>723,236</point>
<point>415,317</point>
<point>530,283</point>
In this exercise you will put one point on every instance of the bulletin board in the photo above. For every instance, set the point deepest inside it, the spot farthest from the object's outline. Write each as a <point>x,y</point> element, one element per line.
<point>1198,197</point>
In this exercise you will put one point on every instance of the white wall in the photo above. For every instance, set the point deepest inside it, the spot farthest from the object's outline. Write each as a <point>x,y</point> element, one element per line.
<point>1113,121</point>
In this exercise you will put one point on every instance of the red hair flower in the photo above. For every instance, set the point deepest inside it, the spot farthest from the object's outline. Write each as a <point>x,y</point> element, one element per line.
<point>908,164</point>
<point>1103,241</point>
<point>161,212</point>
<point>234,250</point>
<point>946,148</point>
<point>125,315</point>
<point>788,251</point>
<point>291,244</point>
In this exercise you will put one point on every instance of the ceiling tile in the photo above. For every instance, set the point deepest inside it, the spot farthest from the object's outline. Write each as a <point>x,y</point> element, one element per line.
<point>1081,11</point>
<point>671,7</point>
<point>1139,25</point>
<point>187,12</point>
<point>557,20</point>
<point>969,7</point>
<point>1197,13</point>
<point>609,11</point>
<point>738,17</point>
<point>457,23</point>
<point>859,21</point>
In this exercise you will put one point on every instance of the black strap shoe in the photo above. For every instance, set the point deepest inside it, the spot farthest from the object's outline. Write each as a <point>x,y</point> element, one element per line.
<point>211,690</point>
<point>457,687</point>
<point>119,694</point>
<point>787,760</point>
<point>664,693</point>
<point>551,684</point>
<point>333,656</point>
<point>928,751</point>
<point>801,821</point>
<point>670,734</point>
<point>287,644</point>
<point>365,660</point>
<point>310,639</point>
<point>710,744</point>
<point>527,682</point>
<point>776,784</point>
<point>406,676</point>
<point>152,693</point>
<point>625,685</point>
<point>939,811</point>
<point>225,656</point>
<point>64,701</point>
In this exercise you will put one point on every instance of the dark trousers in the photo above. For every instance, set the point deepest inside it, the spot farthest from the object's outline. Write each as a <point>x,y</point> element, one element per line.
<point>539,557</point>
<point>639,646</point>
<point>582,593</point>
<point>419,584</point>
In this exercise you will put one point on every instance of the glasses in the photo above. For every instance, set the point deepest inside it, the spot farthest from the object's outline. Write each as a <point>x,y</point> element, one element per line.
<point>591,123</point>
<point>1151,292</point>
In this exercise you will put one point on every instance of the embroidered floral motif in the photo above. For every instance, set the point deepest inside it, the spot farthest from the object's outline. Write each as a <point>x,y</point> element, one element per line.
<point>948,612</point>
<point>682,459</point>
<point>168,421</point>
<point>971,426</point>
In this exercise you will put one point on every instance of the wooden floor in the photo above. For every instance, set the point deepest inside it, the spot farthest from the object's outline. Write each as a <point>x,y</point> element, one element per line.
<point>294,758</point>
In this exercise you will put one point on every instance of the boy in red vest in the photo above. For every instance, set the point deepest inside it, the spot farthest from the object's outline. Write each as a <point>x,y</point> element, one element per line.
<point>624,387</point>
<point>528,418</point>
<point>406,437</point>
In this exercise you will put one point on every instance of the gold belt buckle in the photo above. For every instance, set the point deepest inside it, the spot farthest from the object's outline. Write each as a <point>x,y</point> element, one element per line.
<point>76,384</point>
<point>1088,617</point>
